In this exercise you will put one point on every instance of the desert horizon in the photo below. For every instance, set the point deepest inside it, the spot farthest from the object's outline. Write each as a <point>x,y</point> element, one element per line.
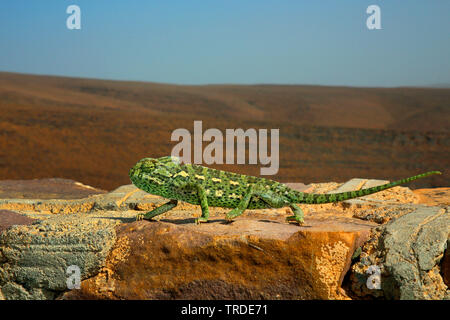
<point>94,130</point>
<point>49,75</point>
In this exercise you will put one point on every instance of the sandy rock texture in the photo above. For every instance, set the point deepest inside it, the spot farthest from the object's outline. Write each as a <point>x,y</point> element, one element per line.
<point>404,234</point>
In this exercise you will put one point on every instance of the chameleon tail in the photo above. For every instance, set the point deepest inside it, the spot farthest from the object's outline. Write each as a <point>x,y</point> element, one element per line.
<point>313,198</point>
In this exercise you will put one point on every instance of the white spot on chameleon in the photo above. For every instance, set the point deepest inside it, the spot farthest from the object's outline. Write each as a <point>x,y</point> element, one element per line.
<point>234,183</point>
<point>216,180</point>
<point>219,193</point>
<point>199,177</point>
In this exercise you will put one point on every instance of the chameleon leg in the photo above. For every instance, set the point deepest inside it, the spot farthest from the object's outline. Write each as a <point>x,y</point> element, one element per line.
<point>203,204</point>
<point>243,204</point>
<point>298,214</point>
<point>275,201</point>
<point>157,211</point>
<point>272,199</point>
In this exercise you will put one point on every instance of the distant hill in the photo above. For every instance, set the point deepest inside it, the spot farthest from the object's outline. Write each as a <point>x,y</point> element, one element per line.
<point>93,130</point>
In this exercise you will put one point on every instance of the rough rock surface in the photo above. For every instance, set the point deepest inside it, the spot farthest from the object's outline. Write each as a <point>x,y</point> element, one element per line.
<point>258,256</point>
<point>434,196</point>
<point>248,259</point>
<point>10,218</point>
<point>34,258</point>
<point>410,253</point>
<point>53,188</point>
<point>406,252</point>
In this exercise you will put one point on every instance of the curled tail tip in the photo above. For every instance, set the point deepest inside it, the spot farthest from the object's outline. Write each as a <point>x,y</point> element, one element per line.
<point>429,173</point>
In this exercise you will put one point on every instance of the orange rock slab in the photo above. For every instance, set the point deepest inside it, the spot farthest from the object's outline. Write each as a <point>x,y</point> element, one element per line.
<point>434,196</point>
<point>251,258</point>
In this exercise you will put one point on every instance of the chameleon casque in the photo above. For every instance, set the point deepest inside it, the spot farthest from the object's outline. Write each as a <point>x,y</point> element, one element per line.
<point>206,187</point>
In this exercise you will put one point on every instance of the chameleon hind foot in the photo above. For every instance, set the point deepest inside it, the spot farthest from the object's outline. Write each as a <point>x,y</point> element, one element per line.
<point>298,215</point>
<point>229,218</point>
<point>233,214</point>
<point>201,220</point>
<point>295,219</point>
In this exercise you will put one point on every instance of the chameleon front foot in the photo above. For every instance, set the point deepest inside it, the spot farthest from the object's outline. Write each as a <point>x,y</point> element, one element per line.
<point>157,211</point>
<point>140,216</point>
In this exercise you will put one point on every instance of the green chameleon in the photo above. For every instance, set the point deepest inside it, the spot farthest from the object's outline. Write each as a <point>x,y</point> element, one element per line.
<point>203,186</point>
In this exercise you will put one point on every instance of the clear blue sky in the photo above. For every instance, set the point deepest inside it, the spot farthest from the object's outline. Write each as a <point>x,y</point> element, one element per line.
<point>231,41</point>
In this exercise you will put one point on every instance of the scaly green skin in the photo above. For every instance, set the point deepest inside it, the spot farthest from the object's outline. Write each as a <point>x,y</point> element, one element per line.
<point>207,187</point>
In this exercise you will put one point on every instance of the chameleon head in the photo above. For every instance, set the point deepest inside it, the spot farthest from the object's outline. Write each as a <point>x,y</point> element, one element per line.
<point>150,171</point>
<point>143,165</point>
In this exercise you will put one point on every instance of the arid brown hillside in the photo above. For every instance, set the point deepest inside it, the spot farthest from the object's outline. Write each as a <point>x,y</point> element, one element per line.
<point>93,130</point>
